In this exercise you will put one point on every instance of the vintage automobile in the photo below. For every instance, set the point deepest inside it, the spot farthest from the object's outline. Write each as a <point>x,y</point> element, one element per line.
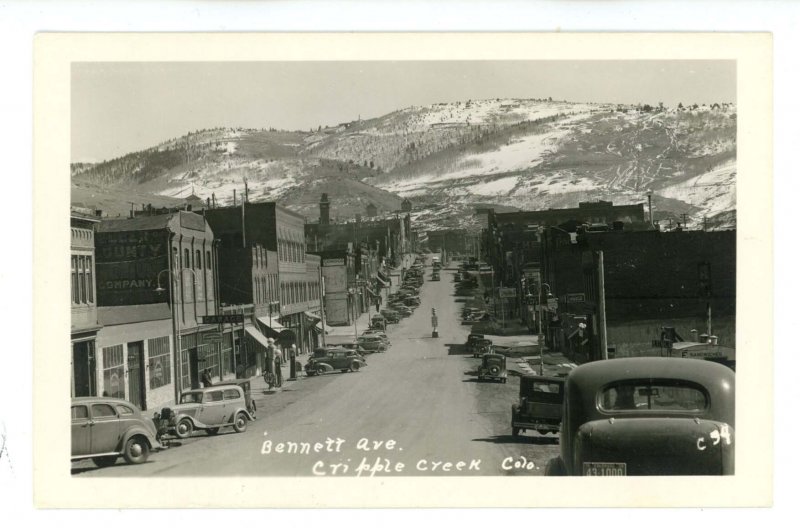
<point>472,344</point>
<point>402,309</point>
<point>244,383</point>
<point>539,406</point>
<point>493,367</point>
<point>391,316</point>
<point>647,416</point>
<point>104,429</point>
<point>210,409</point>
<point>412,301</point>
<point>372,343</point>
<point>378,322</point>
<point>481,347</point>
<point>378,333</point>
<point>328,360</point>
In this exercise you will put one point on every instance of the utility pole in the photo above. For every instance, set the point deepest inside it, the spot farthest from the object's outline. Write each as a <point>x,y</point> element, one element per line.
<point>683,217</point>
<point>601,305</point>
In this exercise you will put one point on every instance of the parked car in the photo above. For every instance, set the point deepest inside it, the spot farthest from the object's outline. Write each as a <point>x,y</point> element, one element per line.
<point>379,333</point>
<point>210,409</point>
<point>378,322</point>
<point>328,360</point>
<point>391,316</point>
<point>472,342</point>
<point>372,343</point>
<point>647,416</point>
<point>493,367</point>
<point>402,309</point>
<point>412,301</point>
<point>481,347</point>
<point>539,405</point>
<point>244,383</point>
<point>104,429</point>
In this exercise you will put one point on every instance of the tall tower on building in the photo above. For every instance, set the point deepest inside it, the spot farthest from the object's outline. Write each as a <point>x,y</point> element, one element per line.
<point>324,210</point>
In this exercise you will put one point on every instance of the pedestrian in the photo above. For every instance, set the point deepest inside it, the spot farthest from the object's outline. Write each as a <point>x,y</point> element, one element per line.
<point>278,373</point>
<point>206,378</point>
<point>269,361</point>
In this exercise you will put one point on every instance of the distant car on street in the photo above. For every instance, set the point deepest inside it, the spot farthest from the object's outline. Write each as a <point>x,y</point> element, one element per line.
<point>209,409</point>
<point>328,360</point>
<point>104,429</point>
<point>391,316</point>
<point>372,343</point>
<point>647,416</point>
<point>493,367</point>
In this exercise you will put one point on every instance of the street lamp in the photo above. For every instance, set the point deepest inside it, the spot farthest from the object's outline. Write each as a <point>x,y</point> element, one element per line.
<point>541,334</point>
<point>176,324</point>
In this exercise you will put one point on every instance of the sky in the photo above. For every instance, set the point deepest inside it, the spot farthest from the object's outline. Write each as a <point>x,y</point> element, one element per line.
<point>119,107</point>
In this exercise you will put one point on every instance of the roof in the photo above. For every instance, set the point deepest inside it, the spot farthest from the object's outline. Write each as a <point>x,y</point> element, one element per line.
<point>140,223</point>
<point>705,373</point>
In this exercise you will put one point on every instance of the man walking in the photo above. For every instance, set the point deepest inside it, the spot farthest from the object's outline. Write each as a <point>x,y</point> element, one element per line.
<point>269,362</point>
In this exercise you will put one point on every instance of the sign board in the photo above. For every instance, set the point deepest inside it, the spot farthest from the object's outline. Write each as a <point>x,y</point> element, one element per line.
<point>333,262</point>
<point>213,337</point>
<point>576,297</point>
<point>434,321</point>
<point>552,304</point>
<point>223,318</point>
<point>506,293</point>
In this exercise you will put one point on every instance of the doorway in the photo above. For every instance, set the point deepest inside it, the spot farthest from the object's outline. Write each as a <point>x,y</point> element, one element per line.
<point>84,381</point>
<point>194,370</point>
<point>136,382</point>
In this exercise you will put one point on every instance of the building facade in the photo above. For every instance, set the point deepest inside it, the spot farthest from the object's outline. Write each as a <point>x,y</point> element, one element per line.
<point>83,285</point>
<point>156,280</point>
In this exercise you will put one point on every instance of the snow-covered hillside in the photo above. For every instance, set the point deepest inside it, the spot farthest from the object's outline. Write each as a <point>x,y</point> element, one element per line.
<point>526,154</point>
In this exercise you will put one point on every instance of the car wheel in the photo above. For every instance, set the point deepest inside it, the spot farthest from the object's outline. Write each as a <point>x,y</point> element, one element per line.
<point>354,366</point>
<point>505,380</point>
<point>320,370</point>
<point>136,450</point>
<point>105,461</point>
<point>212,430</point>
<point>184,428</point>
<point>240,423</point>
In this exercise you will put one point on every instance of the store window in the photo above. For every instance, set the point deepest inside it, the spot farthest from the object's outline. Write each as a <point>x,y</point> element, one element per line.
<point>158,364</point>
<point>198,261</point>
<point>113,372</point>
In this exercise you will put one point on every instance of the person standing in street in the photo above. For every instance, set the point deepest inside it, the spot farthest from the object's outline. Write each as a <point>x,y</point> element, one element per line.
<point>278,361</point>
<point>206,378</point>
<point>269,362</point>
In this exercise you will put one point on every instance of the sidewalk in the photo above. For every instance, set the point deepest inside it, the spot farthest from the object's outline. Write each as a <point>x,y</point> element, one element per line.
<point>362,323</point>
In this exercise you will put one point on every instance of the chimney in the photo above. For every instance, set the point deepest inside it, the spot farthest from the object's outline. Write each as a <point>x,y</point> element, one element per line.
<point>694,335</point>
<point>324,210</point>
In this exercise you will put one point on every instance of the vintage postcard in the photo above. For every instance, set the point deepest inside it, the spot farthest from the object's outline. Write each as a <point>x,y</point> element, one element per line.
<point>403,270</point>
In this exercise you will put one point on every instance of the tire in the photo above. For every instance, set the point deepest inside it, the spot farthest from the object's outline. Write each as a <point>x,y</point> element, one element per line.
<point>494,371</point>
<point>212,431</point>
<point>137,449</point>
<point>320,371</point>
<point>354,366</point>
<point>240,423</point>
<point>505,380</point>
<point>105,461</point>
<point>184,428</point>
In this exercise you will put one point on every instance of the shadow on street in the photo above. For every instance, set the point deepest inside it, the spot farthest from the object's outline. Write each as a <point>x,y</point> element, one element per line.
<point>511,439</point>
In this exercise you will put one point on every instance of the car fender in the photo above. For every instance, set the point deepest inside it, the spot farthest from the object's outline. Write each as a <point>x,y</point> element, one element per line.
<point>242,410</point>
<point>180,416</point>
<point>327,367</point>
<point>138,430</point>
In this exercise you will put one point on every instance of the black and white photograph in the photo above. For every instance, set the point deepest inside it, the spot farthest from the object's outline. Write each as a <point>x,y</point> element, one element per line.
<point>365,268</point>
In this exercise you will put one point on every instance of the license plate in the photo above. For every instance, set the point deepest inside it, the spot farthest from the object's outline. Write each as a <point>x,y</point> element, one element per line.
<point>604,469</point>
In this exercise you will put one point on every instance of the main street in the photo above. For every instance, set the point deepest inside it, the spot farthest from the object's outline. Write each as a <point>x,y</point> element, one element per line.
<point>415,410</point>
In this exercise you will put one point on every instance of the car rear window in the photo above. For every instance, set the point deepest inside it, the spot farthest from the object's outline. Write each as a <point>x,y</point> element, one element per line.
<point>124,409</point>
<point>653,396</point>
<point>231,394</point>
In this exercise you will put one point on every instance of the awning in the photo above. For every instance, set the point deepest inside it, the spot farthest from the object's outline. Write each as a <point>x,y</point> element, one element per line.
<point>257,336</point>
<point>312,316</point>
<point>318,327</point>
<point>272,328</point>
